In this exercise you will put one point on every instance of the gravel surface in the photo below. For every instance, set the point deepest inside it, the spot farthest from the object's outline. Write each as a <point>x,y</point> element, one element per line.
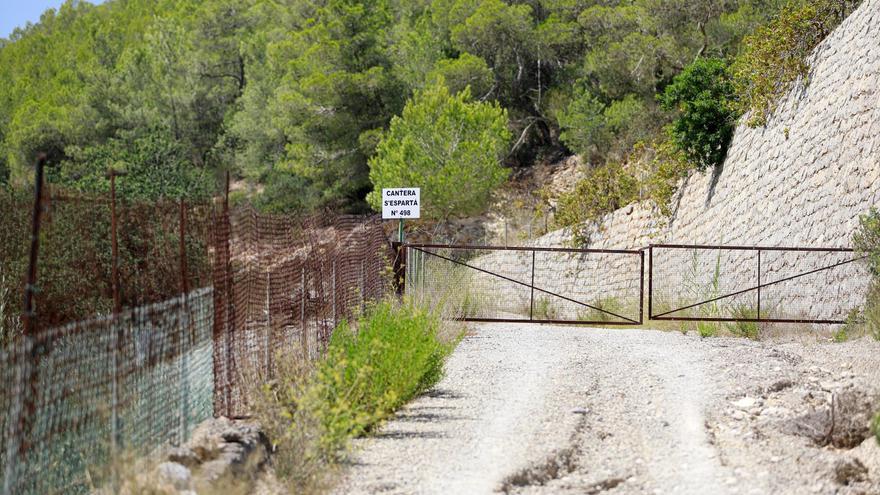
<point>543,409</point>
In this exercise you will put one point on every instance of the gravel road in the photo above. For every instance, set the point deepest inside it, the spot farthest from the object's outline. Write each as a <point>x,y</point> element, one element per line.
<point>543,409</point>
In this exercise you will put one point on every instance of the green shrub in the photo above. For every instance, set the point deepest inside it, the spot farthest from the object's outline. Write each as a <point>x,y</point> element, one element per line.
<point>602,306</point>
<point>592,128</point>
<point>448,145</point>
<point>707,328</point>
<point>311,410</point>
<point>544,309</point>
<point>603,190</point>
<point>866,240</point>
<point>394,355</point>
<point>701,95</point>
<point>775,56</point>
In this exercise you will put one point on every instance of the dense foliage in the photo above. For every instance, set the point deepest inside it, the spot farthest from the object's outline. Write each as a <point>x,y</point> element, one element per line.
<point>775,56</point>
<point>295,95</point>
<point>299,92</point>
<point>699,104</point>
<point>702,96</point>
<point>448,146</point>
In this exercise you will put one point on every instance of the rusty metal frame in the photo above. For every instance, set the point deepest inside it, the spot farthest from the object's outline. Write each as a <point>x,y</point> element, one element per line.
<point>629,321</point>
<point>759,284</point>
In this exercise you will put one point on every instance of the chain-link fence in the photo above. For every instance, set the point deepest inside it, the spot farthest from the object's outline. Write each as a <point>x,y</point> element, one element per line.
<point>79,395</point>
<point>76,255</point>
<point>121,357</point>
<point>279,282</point>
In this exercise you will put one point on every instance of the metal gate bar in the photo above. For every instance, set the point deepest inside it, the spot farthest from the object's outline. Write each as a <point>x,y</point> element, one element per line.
<point>759,318</point>
<point>424,248</point>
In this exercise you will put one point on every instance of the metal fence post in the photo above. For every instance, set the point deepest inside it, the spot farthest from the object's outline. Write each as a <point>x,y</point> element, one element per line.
<point>333,282</point>
<point>641,287</point>
<point>268,331</point>
<point>532,305</point>
<point>185,329</point>
<point>18,422</point>
<point>650,281</point>
<point>362,287</point>
<point>759,284</point>
<point>229,358</point>
<point>302,314</point>
<point>117,309</point>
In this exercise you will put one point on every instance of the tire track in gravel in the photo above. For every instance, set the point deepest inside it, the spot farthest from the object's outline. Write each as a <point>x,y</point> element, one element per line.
<point>541,409</point>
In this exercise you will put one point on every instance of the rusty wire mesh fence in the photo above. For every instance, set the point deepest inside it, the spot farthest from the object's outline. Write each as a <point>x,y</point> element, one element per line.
<point>79,395</point>
<point>726,283</point>
<point>75,255</point>
<point>281,282</point>
<point>88,382</point>
<point>475,283</point>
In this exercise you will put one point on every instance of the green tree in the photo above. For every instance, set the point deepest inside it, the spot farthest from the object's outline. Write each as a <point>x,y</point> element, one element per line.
<point>702,96</point>
<point>447,145</point>
<point>592,128</point>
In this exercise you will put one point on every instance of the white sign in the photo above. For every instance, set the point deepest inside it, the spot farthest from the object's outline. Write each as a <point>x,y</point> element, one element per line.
<point>401,202</point>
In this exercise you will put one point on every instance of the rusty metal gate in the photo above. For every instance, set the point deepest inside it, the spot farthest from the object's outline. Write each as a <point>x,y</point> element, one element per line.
<point>754,284</point>
<point>607,287</point>
<point>528,284</point>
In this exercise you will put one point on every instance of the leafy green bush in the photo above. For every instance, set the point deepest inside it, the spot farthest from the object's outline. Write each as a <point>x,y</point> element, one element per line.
<point>449,146</point>
<point>702,96</point>
<point>747,329</point>
<point>155,165</point>
<point>394,355</point>
<point>603,190</point>
<point>775,56</point>
<point>311,410</point>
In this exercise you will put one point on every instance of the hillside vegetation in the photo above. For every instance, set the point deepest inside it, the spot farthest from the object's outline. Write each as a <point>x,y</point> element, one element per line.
<point>299,96</point>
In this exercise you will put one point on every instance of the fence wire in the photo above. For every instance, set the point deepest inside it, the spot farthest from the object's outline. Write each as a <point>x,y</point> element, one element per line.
<point>755,284</point>
<point>78,394</point>
<point>281,282</point>
<point>527,284</point>
<point>77,397</point>
<point>76,259</point>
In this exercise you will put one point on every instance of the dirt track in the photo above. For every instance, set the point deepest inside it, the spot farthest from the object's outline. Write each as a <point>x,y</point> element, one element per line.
<point>539,409</point>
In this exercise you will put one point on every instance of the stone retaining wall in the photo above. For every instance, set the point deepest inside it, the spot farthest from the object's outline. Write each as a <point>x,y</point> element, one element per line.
<point>803,180</point>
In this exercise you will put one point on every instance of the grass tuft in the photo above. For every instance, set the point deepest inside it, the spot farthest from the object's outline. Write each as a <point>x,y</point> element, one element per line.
<point>875,426</point>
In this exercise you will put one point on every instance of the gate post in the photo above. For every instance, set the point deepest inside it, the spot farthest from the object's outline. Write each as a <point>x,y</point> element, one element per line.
<point>641,287</point>
<point>399,267</point>
<point>759,284</point>
<point>532,305</point>
<point>650,281</point>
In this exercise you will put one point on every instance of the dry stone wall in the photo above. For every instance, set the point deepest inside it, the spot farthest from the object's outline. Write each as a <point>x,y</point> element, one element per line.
<point>803,179</point>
